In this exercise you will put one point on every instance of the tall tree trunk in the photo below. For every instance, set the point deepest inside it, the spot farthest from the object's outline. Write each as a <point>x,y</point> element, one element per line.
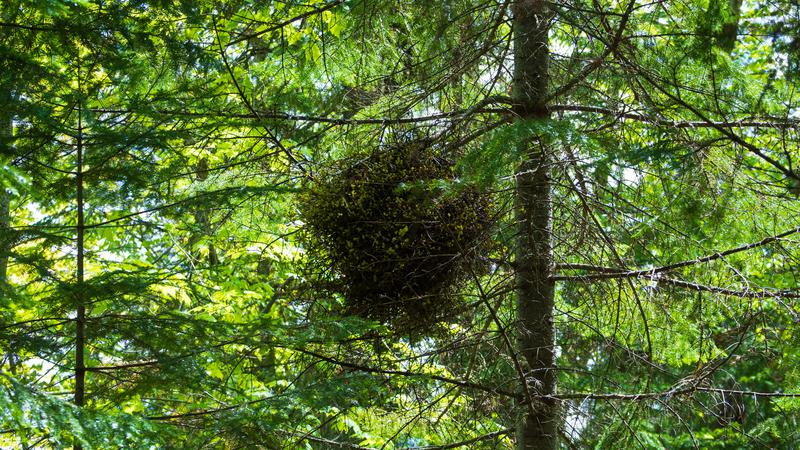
<point>6,134</point>
<point>80,319</point>
<point>538,422</point>
<point>6,243</point>
<point>5,223</point>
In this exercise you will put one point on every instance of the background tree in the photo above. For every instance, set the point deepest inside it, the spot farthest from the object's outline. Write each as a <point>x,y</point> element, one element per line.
<point>641,159</point>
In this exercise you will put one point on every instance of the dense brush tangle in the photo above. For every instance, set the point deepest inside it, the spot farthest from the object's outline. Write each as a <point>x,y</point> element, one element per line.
<point>399,232</point>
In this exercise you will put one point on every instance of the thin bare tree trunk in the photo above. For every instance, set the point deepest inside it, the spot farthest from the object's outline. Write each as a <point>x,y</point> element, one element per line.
<point>538,422</point>
<point>80,319</point>
<point>6,132</point>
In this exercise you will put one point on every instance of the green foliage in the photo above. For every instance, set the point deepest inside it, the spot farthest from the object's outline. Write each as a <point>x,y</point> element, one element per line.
<point>215,317</point>
<point>720,23</point>
<point>34,418</point>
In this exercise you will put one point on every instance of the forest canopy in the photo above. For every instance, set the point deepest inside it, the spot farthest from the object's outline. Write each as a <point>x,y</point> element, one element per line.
<point>369,224</point>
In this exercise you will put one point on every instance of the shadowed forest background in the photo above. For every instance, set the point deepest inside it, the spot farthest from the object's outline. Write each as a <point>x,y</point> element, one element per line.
<point>366,224</point>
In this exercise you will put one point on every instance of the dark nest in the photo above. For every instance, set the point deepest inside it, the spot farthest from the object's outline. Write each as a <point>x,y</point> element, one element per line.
<point>399,233</point>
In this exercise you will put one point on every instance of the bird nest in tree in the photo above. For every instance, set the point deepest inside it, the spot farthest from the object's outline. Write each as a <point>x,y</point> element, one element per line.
<point>399,232</point>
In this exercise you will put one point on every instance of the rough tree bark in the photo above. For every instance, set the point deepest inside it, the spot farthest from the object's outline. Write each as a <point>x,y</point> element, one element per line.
<point>538,422</point>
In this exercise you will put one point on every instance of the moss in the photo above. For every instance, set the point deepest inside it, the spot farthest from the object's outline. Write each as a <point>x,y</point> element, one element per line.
<point>398,232</point>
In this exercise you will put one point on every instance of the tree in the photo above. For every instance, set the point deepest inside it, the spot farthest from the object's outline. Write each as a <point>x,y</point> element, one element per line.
<point>641,159</point>
<point>538,427</point>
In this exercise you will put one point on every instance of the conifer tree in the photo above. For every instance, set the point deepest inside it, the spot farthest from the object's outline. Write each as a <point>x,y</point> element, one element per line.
<point>160,284</point>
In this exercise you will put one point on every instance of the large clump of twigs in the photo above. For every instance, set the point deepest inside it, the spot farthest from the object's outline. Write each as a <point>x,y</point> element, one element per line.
<point>399,231</point>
